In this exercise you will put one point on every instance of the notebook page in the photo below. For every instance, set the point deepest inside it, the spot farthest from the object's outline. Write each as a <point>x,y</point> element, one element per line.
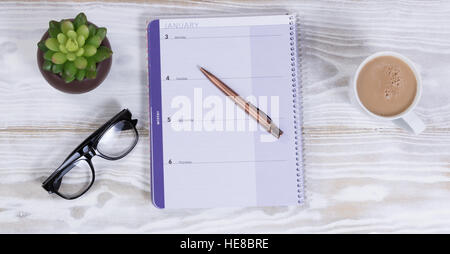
<point>214,154</point>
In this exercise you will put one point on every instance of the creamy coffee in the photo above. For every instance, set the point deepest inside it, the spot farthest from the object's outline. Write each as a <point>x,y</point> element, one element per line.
<point>386,86</point>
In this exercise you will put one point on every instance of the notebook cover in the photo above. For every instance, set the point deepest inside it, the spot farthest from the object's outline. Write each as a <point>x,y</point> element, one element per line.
<point>156,145</point>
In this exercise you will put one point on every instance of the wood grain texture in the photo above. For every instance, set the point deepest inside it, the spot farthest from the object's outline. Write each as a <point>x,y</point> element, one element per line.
<point>363,175</point>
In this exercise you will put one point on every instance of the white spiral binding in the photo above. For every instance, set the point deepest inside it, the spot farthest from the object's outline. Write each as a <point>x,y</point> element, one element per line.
<point>297,106</point>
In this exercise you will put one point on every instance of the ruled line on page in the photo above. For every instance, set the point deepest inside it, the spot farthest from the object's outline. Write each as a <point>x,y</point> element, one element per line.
<point>224,78</point>
<point>182,120</point>
<point>220,162</point>
<point>218,37</point>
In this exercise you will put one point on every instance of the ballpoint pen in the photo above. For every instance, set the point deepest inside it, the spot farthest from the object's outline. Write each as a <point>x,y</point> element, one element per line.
<point>261,117</point>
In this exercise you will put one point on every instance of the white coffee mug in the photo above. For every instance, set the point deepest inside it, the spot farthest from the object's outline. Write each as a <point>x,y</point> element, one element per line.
<point>407,119</point>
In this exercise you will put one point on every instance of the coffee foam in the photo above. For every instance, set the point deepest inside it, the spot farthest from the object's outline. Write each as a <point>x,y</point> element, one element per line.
<point>386,86</point>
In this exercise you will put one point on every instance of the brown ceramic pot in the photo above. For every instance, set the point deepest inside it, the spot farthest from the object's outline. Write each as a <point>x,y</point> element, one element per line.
<point>75,87</point>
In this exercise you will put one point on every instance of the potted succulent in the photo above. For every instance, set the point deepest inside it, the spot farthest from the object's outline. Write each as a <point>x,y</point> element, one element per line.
<point>74,55</point>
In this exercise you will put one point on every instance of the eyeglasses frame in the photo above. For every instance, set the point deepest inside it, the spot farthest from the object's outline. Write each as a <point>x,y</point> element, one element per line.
<point>86,151</point>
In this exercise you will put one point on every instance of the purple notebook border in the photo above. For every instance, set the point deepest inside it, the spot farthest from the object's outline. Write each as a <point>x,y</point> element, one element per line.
<point>156,144</point>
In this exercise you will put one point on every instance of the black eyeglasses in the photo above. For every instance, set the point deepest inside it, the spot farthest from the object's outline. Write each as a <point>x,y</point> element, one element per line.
<point>113,141</point>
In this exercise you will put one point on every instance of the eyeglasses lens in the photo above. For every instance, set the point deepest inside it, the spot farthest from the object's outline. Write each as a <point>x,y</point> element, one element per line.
<point>76,180</point>
<point>117,140</point>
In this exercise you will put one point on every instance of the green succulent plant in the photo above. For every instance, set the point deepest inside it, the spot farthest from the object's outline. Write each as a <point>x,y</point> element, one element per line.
<point>73,49</point>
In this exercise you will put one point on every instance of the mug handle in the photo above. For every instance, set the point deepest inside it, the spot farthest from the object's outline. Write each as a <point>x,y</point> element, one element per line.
<point>411,122</point>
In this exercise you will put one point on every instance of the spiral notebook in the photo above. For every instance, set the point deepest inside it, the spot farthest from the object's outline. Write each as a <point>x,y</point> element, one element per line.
<point>206,151</point>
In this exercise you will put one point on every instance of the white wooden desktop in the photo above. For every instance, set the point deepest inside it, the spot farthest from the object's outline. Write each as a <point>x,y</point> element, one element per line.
<point>363,175</point>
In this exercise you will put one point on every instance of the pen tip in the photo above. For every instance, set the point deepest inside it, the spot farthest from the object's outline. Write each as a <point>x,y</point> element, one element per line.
<point>205,72</point>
